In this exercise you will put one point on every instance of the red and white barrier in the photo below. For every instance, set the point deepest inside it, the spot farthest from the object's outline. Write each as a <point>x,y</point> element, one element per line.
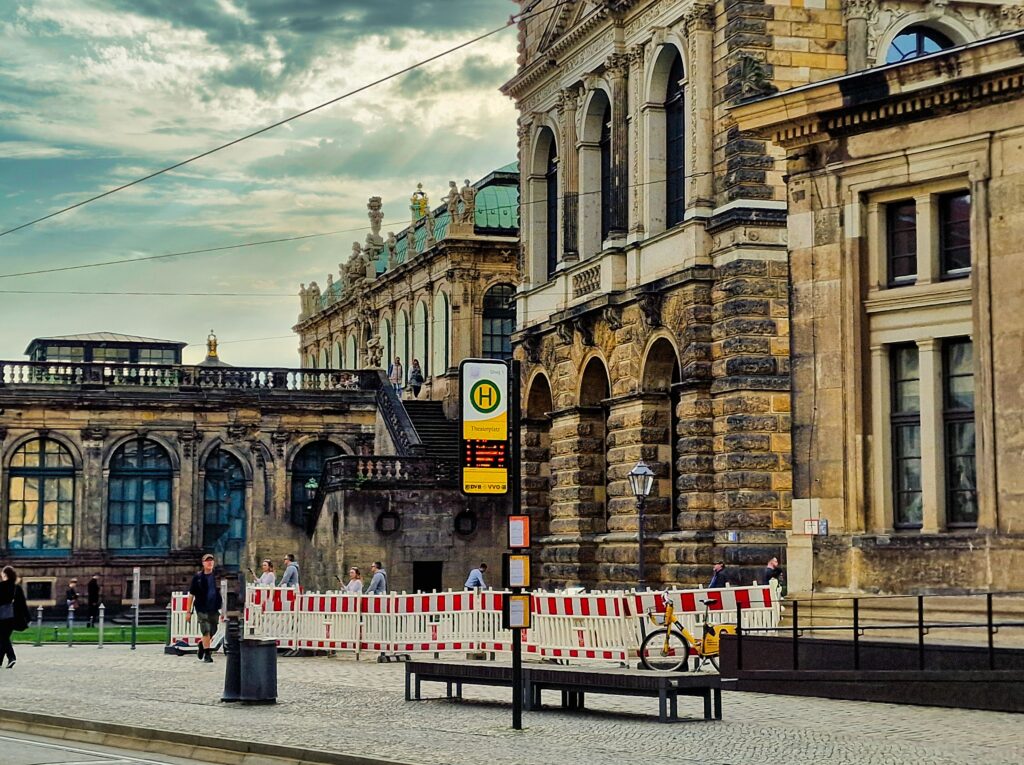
<point>186,631</point>
<point>597,626</point>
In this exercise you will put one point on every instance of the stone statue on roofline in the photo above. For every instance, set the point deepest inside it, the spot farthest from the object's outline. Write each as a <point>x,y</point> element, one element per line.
<point>428,225</point>
<point>303,303</point>
<point>355,268</point>
<point>329,289</point>
<point>375,213</point>
<point>468,195</point>
<point>313,294</point>
<point>410,244</point>
<point>452,201</point>
<point>391,248</point>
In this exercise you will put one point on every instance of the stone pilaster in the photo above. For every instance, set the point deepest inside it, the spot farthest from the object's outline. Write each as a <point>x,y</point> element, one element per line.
<point>570,171</point>
<point>856,13</point>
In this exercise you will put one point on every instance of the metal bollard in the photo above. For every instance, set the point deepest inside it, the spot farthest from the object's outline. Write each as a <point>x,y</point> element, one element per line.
<point>71,626</point>
<point>135,623</point>
<point>99,636</point>
<point>39,625</point>
<point>232,660</point>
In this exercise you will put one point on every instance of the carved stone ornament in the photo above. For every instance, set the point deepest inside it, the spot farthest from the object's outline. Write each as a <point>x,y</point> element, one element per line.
<point>531,346</point>
<point>612,317</point>
<point>585,327</point>
<point>280,439</point>
<point>91,433</point>
<point>753,77</point>
<point>1013,18</point>
<point>189,439</point>
<point>565,333</point>
<point>236,431</point>
<point>650,307</point>
<point>858,9</point>
<point>700,17</point>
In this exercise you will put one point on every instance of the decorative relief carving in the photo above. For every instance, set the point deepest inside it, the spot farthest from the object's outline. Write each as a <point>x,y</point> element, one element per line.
<point>189,440</point>
<point>531,346</point>
<point>650,307</point>
<point>585,327</point>
<point>565,333</point>
<point>981,20</point>
<point>90,433</point>
<point>859,9</point>
<point>587,53</point>
<point>700,17</point>
<point>612,316</point>
<point>280,439</point>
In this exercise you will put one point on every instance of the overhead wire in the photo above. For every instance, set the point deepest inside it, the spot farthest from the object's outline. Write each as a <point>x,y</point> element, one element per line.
<point>512,21</point>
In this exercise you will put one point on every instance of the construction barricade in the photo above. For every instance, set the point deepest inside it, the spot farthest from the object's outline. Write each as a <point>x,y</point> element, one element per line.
<point>271,614</point>
<point>582,627</point>
<point>434,623</point>
<point>328,622</point>
<point>185,632</point>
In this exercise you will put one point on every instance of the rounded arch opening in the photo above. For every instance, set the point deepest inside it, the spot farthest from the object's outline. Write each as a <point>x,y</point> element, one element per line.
<point>660,373</point>
<point>224,512</point>
<point>917,40</point>
<point>40,497</point>
<point>594,389</point>
<point>536,454</point>
<point>499,321</point>
<point>440,334</point>
<point>307,466</point>
<point>139,496</point>
<point>420,344</point>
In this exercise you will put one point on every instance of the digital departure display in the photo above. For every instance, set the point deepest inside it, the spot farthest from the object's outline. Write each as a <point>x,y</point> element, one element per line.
<point>485,454</point>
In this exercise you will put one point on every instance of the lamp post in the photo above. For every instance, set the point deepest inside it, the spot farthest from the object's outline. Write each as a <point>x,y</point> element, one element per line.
<point>311,486</point>
<point>641,480</point>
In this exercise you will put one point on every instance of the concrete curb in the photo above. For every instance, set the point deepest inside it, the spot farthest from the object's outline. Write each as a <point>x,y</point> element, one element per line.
<point>175,743</point>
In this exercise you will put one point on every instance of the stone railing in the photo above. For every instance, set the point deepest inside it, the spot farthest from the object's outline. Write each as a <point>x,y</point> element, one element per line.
<point>586,281</point>
<point>396,419</point>
<point>111,375</point>
<point>353,472</point>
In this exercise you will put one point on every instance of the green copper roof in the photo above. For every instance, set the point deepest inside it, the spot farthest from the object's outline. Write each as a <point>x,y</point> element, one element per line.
<point>497,212</point>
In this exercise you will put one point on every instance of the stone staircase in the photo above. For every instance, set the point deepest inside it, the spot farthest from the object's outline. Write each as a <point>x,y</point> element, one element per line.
<point>440,435</point>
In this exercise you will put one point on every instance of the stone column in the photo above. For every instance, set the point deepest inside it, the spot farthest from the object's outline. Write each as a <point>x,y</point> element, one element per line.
<point>856,13</point>
<point>617,68</point>
<point>570,171</point>
<point>700,30</point>
<point>90,529</point>
<point>637,187</point>
<point>933,490</point>
<point>880,516</point>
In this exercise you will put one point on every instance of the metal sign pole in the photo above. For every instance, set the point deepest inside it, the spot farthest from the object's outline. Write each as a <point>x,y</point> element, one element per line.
<point>136,583</point>
<point>517,507</point>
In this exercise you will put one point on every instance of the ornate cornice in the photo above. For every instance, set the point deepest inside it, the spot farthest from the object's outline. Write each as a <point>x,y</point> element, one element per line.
<point>859,9</point>
<point>700,17</point>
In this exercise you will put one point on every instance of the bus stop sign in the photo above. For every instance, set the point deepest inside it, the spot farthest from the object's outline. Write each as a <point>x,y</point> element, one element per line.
<point>484,425</point>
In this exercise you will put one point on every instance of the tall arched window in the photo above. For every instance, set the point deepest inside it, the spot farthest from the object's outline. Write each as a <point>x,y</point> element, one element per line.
<point>402,342</point>
<point>420,329</point>
<point>40,498</point>
<point>324,361</point>
<point>675,145</point>
<point>308,463</point>
<point>551,202</point>
<point>916,41</point>
<point>499,322</point>
<point>139,498</point>
<point>351,352</point>
<point>439,333</point>
<point>338,356</point>
<point>311,361</point>
<point>605,145</point>
<point>224,519</point>
<point>387,343</point>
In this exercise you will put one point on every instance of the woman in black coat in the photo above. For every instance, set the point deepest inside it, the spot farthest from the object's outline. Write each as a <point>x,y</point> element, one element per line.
<point>14,615</point>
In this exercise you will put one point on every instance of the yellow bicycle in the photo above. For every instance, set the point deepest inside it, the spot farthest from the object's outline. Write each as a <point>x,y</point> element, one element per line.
<point>668,648</point>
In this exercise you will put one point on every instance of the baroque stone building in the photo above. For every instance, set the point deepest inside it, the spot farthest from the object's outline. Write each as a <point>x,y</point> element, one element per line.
<point>904,193</point>
<point>107,465</point>
<point>653,319</point>
<point>439,291</point>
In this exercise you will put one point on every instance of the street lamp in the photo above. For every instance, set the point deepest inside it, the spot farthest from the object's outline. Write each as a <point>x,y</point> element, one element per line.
<point>641,480</point>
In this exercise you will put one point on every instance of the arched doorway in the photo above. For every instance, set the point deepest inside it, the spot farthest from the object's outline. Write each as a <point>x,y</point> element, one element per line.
<point>660,373</point>
<point>308,464</point>
<point>594,390</point>
<point>536,454</point>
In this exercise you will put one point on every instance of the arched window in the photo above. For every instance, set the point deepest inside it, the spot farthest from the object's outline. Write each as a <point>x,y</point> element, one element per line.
<point>338,356</point>
<point>139,499</point>
<point>311,361</point>
<point>387,343</point>
<point>324,361</point>
<point>916,41</point>
<point>351,352</point>
<point>40,498</point>
<point>420,328</point>
<point>551,202</point>
<point>675,145</point>
<point>402,342</point>
<point>308,463</point>
<point>499,322</point>
<point>224,520</point>
<point>605,146</point>
<point>439,360</point>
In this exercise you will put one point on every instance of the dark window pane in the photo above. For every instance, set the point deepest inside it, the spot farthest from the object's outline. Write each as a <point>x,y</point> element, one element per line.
<point>605,144</point>
<point>955,234</point>
<point>498,322</point>
<point>901,222</point>
<point>551,206</point>
<point>916,41</point>
<point>905,377</point>
<point>906,436</point>
<point>675,146</point>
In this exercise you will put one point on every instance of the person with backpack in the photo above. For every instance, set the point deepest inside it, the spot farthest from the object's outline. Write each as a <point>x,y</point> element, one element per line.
<point>205,597</point>
<point>14,614</point>
<point>415,378</point>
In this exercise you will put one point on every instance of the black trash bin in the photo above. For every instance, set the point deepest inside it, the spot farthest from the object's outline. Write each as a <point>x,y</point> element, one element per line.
<point>259,672</point>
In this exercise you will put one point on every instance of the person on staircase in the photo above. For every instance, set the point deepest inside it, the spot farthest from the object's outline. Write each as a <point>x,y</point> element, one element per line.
<point>415,378</point>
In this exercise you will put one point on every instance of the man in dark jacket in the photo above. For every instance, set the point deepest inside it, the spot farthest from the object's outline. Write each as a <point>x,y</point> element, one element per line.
<point>94,599</point>
<point>205,598</point>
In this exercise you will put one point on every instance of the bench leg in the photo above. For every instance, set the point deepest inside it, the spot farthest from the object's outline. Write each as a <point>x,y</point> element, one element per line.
<point>458,691</point>
<point>662,705</point>
<point>449,689</point>
<point>408,685</point>
<point>582,700</point>
<point>417,687</point>
<point>565,699</point>
<point>718,703</point>
<point>675,706</point>
<point>707,704</point>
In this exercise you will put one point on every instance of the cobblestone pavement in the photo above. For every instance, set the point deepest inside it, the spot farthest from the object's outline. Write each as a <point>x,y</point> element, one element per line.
<point>20,749</point>
<point>359,708</point>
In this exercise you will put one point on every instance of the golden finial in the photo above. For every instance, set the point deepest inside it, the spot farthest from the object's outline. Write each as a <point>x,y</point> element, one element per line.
<point>419,203</point>
<point>211,345</point>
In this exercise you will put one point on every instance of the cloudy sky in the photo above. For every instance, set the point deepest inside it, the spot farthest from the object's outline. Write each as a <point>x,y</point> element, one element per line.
<point>94,93</point>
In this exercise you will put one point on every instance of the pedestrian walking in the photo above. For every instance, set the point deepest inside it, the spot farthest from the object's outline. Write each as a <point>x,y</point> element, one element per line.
<point>355,581</point>
<point>396,374</point>
<point>14,615</point>
<point>205,599</point>
<point>415,378</point>
<point>718,576</point>
<point>290,577</point>
<point>267,578</point>
<point>93,591</point>
<point>476,578</point>
<point>71,600</point>
<point>378,581</point>
<point>772,571</point>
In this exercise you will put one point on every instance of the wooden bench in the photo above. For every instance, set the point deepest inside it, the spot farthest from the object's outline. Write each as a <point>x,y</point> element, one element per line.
<point>573,683</point>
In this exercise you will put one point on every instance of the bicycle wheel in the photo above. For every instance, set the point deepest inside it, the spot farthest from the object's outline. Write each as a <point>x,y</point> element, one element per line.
<point>665,651</point>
